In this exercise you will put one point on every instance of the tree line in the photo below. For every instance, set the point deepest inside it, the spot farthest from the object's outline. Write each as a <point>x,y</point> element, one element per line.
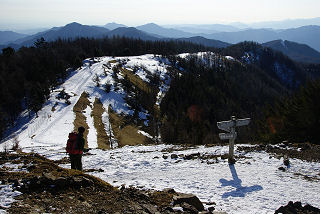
<point>29,74</point>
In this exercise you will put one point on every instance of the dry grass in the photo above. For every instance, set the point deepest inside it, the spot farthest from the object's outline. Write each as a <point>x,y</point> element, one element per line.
<point>102,137</point>
<point>80,120</point>
<point>112,61</point>
<point>135,80</point>
<point>126,134</point>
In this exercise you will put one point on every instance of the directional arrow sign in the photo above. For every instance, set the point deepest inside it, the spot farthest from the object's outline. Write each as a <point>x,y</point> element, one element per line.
<point>243,122</point>
<point>227,136</point>
<point>225,125</point>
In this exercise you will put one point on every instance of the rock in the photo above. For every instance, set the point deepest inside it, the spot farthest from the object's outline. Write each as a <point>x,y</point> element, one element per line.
<point>189,208</point>
<point>188,157</point>
<point>174,156</point>
<point>169,209</point>
<point>189,199</point>
<point>211,209</point>
<point>80,182</point>
<point>297,204</point>
<point>81,198</point>
<point>210,203</point>
<point>282,169</point>
<point>61,182</point>
<point>169,190</point>
<point>311,209</point>
<point>297,208</point>
<point>164,156</point>
<point>30,168</point>
<point>49,176</point>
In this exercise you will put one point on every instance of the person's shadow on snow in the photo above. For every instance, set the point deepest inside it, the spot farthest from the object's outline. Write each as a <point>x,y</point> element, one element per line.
<point>240,191</point>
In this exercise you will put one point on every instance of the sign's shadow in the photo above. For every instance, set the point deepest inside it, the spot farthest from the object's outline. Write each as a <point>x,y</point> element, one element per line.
<point>240,191</point>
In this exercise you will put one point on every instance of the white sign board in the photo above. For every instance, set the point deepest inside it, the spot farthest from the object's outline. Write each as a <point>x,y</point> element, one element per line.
<point>226,125</point>
<point>227,136</point>
<point>243,122</point>
<point>230,127</point>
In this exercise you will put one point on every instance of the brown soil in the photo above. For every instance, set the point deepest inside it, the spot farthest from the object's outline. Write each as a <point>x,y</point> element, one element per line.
<point>80,119</point>
<point>47,188</point>
<point>102,137</point>
<point>125,133</point>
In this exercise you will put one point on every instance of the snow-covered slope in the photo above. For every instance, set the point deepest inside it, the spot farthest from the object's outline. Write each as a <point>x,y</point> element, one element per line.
<point>55,119</point>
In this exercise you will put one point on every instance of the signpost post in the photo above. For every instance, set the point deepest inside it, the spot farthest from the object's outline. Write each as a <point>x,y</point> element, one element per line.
<point>230,127</point>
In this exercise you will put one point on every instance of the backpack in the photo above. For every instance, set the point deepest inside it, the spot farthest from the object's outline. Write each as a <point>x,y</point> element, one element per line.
<point>71,147</point>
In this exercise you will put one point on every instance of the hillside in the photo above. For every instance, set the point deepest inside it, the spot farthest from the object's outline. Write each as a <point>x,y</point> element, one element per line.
<point>296,51</point>
<point>277,65</point>
<point>205,42</point>
<point>163,32</point>
<point>69,31</point>
<point>305,35</point>
<point>9,36</point>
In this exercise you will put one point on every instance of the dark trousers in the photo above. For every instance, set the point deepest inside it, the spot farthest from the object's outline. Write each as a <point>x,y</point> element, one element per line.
<point>76,162</point>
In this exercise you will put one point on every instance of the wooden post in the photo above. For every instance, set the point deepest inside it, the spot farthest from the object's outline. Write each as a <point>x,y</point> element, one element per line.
<point>231,159</point>
<point>230,128</point>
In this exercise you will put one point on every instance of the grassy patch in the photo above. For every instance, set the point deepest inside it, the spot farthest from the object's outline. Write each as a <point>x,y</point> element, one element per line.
<point>80,120</point>
<point>126,134</point>
<point>112,61</point>
<point>102,137</point>
<point>135,80</point>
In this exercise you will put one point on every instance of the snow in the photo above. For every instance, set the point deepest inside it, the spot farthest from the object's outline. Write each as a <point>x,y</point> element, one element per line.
<point>50,128</point>
<point>230,58</point>
<point>7,194</point>
<point>145,134</point>
<point>253,185</point>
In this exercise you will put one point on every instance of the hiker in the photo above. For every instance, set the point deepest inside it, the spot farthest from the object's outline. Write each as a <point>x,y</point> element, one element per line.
<point>75,147</point>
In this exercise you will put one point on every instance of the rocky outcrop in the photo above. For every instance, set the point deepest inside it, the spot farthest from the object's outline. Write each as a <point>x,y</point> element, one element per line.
<point>297,208</point>
<point>190,199</point>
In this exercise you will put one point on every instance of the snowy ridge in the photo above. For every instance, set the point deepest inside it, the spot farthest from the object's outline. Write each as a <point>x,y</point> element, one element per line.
<point>51,127</point>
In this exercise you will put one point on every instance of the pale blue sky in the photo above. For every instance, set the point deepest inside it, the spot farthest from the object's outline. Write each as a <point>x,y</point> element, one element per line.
<point>48,13</point>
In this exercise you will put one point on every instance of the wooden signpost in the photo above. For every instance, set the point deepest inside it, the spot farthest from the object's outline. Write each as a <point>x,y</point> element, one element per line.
<point>230,127</point>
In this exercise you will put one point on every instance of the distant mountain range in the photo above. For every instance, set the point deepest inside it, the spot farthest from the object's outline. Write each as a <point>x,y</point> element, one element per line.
<point>113,25</point>
<point>307,35</point>
<point>283,24</point>
<point>10,36</point>
<point>205,29</point>
<point>164,32</point>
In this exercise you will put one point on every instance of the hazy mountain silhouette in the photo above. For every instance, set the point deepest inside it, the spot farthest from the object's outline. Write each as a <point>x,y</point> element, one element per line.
<point>131,32</point>
<point>69,31</point>
<point>296,51</point>
<point>10,36</point>
<point>163,32</point>
<point>204,29</point>
<point>307,34</point>
<point>205,42</point>
<point>113,25</point>
<point>286,24</point>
